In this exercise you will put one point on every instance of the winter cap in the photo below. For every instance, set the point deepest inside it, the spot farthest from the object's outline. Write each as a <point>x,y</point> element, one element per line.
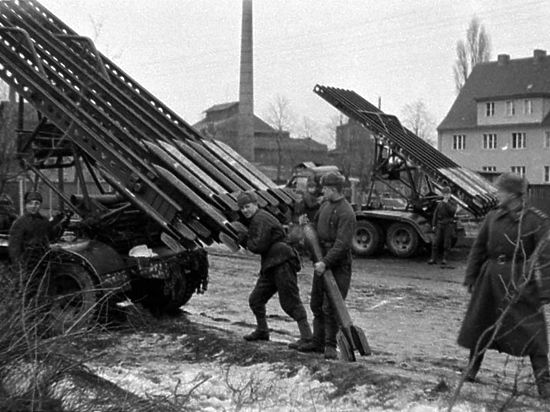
<point>332,179</point>
<point>511,183</point>
<point>245,198</point>
<point>29,196</point>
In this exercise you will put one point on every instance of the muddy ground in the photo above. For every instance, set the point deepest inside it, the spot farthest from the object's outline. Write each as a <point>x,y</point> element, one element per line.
<point>409,310</point>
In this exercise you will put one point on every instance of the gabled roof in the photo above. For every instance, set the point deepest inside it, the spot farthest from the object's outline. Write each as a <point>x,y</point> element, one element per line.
<point>528,77</point>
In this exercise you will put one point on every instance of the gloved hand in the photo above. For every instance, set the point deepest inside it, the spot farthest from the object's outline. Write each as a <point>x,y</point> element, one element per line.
<point>319,268</point>
<point>242,236</point>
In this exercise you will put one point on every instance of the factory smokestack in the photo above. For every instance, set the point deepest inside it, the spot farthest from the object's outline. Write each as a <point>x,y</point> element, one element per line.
<point>246,86</point>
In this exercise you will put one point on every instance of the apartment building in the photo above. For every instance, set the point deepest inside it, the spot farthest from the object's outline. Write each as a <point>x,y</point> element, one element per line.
<point>500,121</point>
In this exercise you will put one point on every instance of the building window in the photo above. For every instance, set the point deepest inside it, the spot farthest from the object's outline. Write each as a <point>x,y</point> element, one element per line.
<point>518,140</point>
<point>527,106</point>
<point>519,170</point>
<point>510,108</point>
<point>490,141</point>
<point>546,174</point>
<point>489,109</point>
<point>459,142</point>
<point>547,139</point>
<point>489,168</point>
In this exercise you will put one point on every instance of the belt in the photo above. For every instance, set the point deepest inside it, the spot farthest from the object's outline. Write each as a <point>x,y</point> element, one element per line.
<point>502,259</point>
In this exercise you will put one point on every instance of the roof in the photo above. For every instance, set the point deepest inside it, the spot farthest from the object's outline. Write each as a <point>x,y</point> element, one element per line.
<point>220,107</point>
<point>526,77</point>
<point>232,124</point>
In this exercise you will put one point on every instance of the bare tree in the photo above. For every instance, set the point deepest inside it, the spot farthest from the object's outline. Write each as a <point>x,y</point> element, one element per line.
<point>280,116</point>
<point>476,49</point>
<point>417,118</point>
<point>309,129</point>
<point>97,29</point>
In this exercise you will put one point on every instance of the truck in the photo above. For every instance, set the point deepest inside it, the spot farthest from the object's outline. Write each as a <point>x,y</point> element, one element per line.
<point>414,172</point>
<point>160,193</point>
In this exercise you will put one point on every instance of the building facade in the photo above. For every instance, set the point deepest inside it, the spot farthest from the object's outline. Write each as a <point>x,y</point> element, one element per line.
<point>500,121</point>
<point>354,151</point>
<point>275,152</point>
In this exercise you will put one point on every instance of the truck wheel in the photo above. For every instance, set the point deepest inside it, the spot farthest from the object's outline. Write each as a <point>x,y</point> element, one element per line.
<point>367,239</point>
<point>165,296</point>
<point>68,294</point>
<point>402,240</point>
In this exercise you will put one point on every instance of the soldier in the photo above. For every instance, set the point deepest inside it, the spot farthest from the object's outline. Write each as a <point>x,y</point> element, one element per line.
<point>311,200</point>
<point>505,312</point>
<point>279,266</point>
<point>335,224</point>
<point>442,225</point>
<point>31,233</point>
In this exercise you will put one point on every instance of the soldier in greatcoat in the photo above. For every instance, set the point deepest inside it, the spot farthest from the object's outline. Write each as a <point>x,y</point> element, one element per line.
<point>505,311</point>
<point>335,224</point>
<point>278,274</point>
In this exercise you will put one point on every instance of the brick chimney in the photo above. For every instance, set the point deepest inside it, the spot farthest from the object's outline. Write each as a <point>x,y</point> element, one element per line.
<point>246,87</point>
<point>503,59</point>
<point>538,55</point>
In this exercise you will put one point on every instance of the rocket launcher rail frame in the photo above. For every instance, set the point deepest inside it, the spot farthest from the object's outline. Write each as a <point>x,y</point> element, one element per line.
<point>130,135</point>
<point>475,193</point>
<point>147,103</point>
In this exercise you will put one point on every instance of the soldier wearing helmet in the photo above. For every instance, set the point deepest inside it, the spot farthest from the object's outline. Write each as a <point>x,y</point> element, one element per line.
<point>443,226</point>
<point>335,224</point>
<point>505,311</point>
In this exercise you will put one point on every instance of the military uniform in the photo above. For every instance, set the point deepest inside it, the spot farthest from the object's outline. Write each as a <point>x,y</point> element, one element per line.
<point>311,205</point>
<point>495,270</point>
<point>278,274</point>
<point>29,237</point>
<point>335,224</point>
<point>442,222</point>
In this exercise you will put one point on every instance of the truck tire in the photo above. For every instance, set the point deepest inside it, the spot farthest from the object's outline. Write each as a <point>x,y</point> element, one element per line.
<point>165,296</point>
<point>68,297</point>
<point>367,239</point>
<point>402,240</point>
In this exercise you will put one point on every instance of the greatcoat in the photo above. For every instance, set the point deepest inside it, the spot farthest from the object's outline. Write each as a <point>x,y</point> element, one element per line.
<point>497,270</point>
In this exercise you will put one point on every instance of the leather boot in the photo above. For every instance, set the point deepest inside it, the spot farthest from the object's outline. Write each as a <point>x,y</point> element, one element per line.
<point>305,335</point>
<point>432,260</point>
<point>471,372</point>
<point>261,332</point>
<point>444,260</point>
<point>317,342</point>
<point>542,374</point>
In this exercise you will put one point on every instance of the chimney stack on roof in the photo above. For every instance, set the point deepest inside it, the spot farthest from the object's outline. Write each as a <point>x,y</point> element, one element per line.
<point>503,59</point>
<point>539,55</point>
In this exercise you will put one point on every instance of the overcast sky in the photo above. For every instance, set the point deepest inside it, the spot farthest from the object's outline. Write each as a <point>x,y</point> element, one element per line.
<point>187,52</point>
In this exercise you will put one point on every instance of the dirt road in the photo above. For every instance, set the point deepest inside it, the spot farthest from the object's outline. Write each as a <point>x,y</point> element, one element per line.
<point>410,311</point>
